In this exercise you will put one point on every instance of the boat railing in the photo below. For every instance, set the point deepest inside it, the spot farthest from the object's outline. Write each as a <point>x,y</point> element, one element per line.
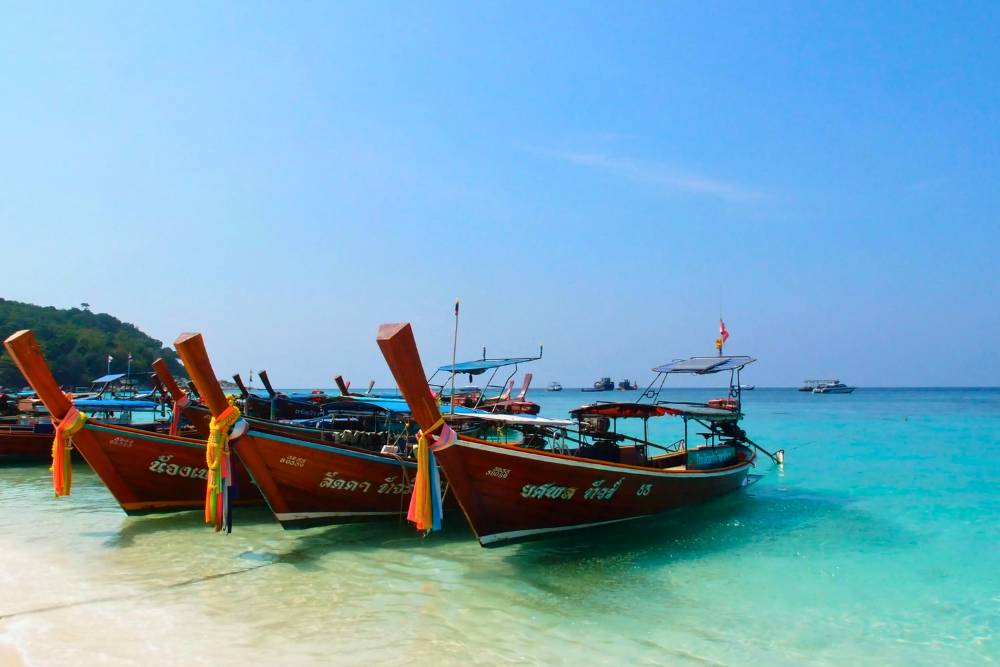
<point>679,445</point>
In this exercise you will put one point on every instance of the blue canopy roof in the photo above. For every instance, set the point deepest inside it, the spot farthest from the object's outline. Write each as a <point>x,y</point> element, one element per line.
<point>98,404</point>
<point>483,365</point>
<point>109,378</point>
<point>704,365</point>
<point>400,406</point>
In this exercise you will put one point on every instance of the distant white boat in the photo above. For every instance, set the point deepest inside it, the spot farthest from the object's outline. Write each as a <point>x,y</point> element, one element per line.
<point>554,386</point>
<point>834,387</point>
<point>747,387</point>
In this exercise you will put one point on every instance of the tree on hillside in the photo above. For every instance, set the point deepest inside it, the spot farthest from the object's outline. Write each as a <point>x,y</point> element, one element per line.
<point>77,342</point>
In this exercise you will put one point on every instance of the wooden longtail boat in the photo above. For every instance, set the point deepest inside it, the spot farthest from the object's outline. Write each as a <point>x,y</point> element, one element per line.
<point>359,424</point>
<point>306,481</point>
<point>33,442</point>
<point>520,405</point>
<point>145,472</point>
<point>510,493</point>
<point>474,397</point>
<point>26,442</point>
<point>276,405</point>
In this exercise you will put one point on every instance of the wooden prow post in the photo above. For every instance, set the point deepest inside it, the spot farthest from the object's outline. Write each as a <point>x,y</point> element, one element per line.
<point>371,385</point>
<point>239,383</point>
<point>167,379</point>
<point>191,348</point>
<point>27,354</point>
<point>524,389</point>
<point>400,352</point>
<point>267,384</point>
<point>507,391</point>
<point>341,385</point>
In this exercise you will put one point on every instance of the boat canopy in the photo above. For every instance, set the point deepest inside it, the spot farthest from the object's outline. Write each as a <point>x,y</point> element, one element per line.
<point>511,420</point>
<point>482,365</point>
<point>699,411</point>
<point>616,410</point>
<point>705,365</point>
<point>400,406</point>
<point>108,378</point>
<point>115,405</point>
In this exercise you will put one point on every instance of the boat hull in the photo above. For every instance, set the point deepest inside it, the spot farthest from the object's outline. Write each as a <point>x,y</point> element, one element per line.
<point>311,483</point>
<point>149,473</point>
<point>25,445</point>
<point>510,494</point>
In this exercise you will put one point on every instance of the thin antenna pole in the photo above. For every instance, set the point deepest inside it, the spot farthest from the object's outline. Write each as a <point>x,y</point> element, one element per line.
<point>454,355</point>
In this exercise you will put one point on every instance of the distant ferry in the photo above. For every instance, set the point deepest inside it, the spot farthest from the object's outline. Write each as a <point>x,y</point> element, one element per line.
<point>834,387</point>
<point>604,384</point>
<point>809,385</point>
<point>554,386</point>
<point>627,385</point>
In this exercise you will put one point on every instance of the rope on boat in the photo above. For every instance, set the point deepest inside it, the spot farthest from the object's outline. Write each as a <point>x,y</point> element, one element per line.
<point>62,451</point>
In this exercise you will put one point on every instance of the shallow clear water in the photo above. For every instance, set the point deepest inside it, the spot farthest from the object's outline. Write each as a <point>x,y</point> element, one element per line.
<point>878,543</point>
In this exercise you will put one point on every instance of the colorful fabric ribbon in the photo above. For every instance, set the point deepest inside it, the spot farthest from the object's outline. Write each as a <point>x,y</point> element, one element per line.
<point>220,469</point>
<point>62,451</point>
<point>175,416</point>
<point>425,501</point>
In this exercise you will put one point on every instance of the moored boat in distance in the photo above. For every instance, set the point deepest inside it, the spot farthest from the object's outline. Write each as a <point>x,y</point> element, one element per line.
<point>832,387</point>
<point>627,385</point>
<point>603,384</point>
<point>809,385</point>
<point>554,386</point>
<point>560,478</point>
<point>476,398</point>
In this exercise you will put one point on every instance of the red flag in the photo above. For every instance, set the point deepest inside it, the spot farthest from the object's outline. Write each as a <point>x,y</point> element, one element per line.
<point>723,331</point>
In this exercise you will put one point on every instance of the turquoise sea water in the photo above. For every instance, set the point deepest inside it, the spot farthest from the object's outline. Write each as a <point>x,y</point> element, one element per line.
<point>877,543</point>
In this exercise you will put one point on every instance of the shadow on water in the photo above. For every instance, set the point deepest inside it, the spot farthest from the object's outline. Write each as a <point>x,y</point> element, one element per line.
<point>788,519</point>
<point>793,520</point>
<point>313,544</point>
<point>134,527</point>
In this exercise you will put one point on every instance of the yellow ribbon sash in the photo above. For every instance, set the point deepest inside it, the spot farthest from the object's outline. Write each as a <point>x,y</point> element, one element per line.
<point>62,451</point>
<point>219,468</point>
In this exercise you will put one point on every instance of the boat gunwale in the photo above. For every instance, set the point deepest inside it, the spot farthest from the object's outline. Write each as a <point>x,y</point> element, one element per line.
<point>523,452</point>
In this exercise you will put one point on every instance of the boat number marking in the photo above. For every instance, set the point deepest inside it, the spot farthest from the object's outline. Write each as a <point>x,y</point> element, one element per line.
<point>296,461</point>
<point>644,489</point>
<point>499,473</point>
<point>120,441</point>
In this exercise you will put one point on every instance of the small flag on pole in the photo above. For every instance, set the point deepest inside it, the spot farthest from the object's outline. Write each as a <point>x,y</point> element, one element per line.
<point>110,358</point>
<point>723,331</point>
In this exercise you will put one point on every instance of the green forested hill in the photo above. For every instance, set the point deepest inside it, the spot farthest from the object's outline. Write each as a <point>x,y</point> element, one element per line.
<point>77,343</point>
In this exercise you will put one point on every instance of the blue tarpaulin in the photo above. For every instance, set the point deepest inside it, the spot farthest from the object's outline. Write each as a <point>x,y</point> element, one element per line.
<point>116,405</point>
<point>483,365</point>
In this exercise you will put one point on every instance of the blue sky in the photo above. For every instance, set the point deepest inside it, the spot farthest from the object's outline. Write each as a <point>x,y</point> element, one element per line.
<point>602,179</point>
